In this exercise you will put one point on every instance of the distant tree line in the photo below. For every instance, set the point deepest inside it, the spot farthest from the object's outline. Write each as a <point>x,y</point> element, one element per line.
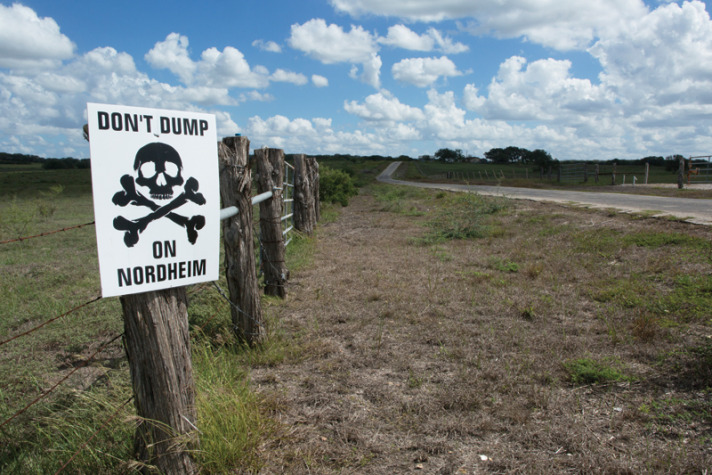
<point>541,158</point>
<point>65,163</point>
<point>47,163</point>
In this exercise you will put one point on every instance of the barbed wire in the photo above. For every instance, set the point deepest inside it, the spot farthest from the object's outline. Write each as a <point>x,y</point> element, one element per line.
<point>239,310</point>
<point>49,321</point>
<point>215,314</point>
<point>108,421</point>
<point>56,385</point>
<point>46,234</point>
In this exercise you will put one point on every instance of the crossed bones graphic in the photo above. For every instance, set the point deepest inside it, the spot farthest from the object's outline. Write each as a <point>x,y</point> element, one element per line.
<point>133,228</point>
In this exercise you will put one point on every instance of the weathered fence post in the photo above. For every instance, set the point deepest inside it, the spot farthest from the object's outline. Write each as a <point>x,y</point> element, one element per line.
<point>598,169</point>
<point>304,213</point>
<point>647,172</point>
<point>314,178</point>
<point>158,351</point>
<point>270,169</point>
<point>240,268</point>
<point>681,174</point>
<point>613,174</point>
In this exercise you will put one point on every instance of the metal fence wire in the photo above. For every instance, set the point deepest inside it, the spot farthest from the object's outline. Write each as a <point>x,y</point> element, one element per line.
<point>699,169</point>
<point>288,204</point>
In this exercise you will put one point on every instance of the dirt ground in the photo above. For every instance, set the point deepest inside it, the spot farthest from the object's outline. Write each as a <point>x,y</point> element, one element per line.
<point>434,359</point>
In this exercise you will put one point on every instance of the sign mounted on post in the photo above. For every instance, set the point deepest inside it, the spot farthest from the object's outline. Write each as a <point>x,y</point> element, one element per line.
<point>156,197</point>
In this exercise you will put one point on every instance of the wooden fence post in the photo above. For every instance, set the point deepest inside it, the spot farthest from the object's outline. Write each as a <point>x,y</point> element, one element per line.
<point>270,169</point>
<point>304,212</point>
<point>158,351</point>
<point>314,171</point>
<point>240,268</point>
<point>647,172</point>
<point>613,175</point>
<point>681,174</point>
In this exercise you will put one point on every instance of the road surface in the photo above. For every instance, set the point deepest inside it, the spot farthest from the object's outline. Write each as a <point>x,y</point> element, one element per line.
<point>697,211</point>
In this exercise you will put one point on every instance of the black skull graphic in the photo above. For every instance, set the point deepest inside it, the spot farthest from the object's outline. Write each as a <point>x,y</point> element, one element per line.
<point>158,167</point>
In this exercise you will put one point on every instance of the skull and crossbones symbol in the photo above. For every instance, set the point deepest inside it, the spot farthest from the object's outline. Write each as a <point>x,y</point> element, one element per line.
<point>158,167</point>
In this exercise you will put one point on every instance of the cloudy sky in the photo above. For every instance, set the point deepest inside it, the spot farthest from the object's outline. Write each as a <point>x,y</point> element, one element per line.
<point>581,79</point>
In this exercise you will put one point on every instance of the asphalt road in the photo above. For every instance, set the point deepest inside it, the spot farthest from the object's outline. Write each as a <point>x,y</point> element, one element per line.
<point>697,211</point>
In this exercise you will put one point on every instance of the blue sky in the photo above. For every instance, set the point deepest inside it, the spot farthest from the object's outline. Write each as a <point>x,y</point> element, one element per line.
<point>580,79</point>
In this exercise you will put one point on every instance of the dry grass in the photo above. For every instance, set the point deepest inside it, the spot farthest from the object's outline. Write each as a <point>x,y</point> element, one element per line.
<point>471,356</point>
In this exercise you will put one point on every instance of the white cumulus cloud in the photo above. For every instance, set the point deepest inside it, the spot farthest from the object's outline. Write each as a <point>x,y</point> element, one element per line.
<point>383,106</point>
<point>403,37</point>
<point>269,46</point>
<point>319,81</point>
<point>558,24</point>
<point>423,72</point>
<point>330,44</point>
<point>172,54</point>
<point>227,68</point>
<point>30,42</point>
<point>280,75</point>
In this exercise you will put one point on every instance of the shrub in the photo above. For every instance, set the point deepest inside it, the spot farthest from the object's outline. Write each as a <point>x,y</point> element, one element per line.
<point>335,186</point>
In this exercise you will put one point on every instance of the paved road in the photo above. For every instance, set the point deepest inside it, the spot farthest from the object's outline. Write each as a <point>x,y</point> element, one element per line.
<point>693,210</point>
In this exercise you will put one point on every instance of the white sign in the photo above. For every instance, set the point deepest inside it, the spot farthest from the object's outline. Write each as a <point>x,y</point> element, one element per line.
<point>156,197</point>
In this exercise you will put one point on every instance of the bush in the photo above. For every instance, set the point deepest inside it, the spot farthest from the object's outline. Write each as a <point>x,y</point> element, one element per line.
<point>335,186</point>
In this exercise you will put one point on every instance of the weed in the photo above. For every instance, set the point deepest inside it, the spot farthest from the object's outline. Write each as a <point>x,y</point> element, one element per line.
<point>645,326</point>
<point>463,216</point>
<point>534,269</point>
<point>414,382</point>
<point>590,371</point>
<point>504,265</point>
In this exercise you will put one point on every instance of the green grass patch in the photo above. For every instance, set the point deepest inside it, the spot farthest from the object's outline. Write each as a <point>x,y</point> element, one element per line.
<point>406,200</point>
<point>43,443</point>
<point>231,418</point>
<point>591,371</point>
<point>661,239</point>
<point>463,216</point>
<point>689,300</point>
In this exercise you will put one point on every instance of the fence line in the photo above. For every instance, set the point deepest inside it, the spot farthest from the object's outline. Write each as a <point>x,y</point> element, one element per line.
<point>108,421</point>
<point>284,198</point>
<point>699,169</point>
<point>239,310</point>
<point>288,202</point>
<point>46,234</point>
<point>56,385</point>
<point>50,321</point>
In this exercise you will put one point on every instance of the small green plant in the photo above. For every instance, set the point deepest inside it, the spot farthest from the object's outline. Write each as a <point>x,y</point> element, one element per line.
<point>414,381</point>
<point>463,216</point>
<point>503,265</point>
<point>590,371</point>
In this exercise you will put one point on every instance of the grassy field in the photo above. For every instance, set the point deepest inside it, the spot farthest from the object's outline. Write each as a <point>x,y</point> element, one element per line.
<point>523,175</point>
<point>424,330</point>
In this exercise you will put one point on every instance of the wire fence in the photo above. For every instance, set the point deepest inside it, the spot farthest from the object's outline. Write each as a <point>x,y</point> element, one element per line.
<point>699,169</point>
<point>287,221</point>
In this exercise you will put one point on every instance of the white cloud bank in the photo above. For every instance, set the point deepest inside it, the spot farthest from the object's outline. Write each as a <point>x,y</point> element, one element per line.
<point>653,96</point>
<point>330,44</point>
<point>558,24</point>
<point>30,42</point>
